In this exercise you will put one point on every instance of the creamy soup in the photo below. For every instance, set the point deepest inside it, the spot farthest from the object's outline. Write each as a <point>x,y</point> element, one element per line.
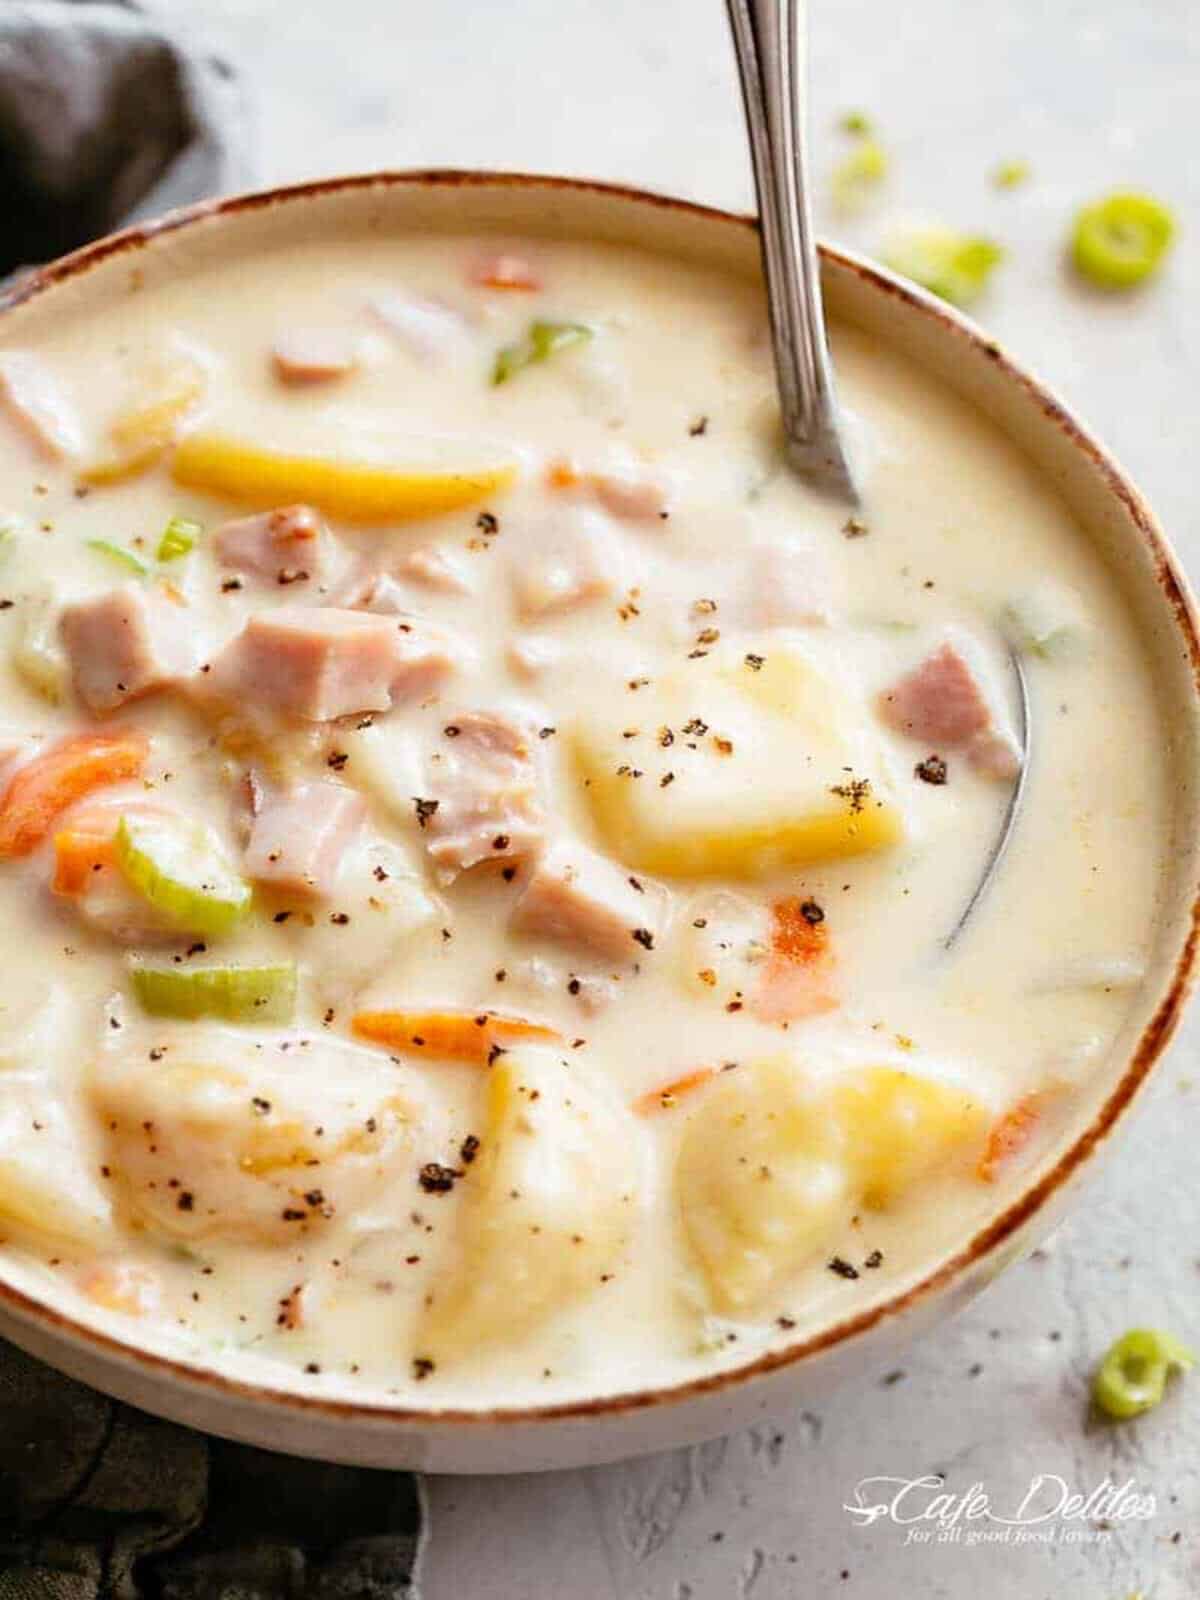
<point>479,839</point>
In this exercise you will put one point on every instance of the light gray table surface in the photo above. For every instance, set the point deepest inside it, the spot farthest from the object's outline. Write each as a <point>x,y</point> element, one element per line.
<point>1094,96</point>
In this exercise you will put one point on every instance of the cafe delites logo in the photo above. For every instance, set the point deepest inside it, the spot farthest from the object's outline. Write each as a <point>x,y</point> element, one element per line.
<point>1048,1511</point>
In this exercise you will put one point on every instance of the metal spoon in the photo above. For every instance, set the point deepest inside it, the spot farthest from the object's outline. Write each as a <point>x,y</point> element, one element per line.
<point>768,39</point>
<point>1001,841</point>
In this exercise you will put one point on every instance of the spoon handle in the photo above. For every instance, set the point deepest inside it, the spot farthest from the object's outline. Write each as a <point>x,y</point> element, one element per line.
<point>768,38</point>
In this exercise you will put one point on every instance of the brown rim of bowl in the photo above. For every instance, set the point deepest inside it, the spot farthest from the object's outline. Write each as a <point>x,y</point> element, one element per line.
<point>1154,1038</point>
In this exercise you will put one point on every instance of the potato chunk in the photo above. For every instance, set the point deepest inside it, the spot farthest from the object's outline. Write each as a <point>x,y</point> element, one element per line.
<point>207,1139</point>
<point>745,761</point>
<point>773,1163</point>
<point>547,1208</point>
<point>760,1181</point>
<point>47,1187</point>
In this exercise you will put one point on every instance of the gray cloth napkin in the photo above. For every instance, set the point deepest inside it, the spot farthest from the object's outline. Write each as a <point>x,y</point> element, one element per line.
<point>106,116</point>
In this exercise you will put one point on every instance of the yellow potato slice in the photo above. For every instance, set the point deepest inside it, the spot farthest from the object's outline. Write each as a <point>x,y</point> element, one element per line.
<point>766,762</point>
<point>773,1163</point>
<point>146,429</point>
<point>547,1208</point>
<point>354,491</point>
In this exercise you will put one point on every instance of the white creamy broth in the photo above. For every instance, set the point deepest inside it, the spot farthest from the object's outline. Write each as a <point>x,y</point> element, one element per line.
<point>638,743</point>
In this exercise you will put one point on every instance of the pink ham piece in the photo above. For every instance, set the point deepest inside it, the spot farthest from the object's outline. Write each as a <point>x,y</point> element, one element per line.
<point>784,586</point>
<point>320,662</point>
<point>483,780</point>
<point>33,400</point>
<point>941,704</point>
<point>124,644</point>
<point>299,839</point>
<point>285,546</point>
<point>633,499</point>
<point>303,356</point>
<point>436,569</point>
<point>577,897</point>
<point>563,564</point>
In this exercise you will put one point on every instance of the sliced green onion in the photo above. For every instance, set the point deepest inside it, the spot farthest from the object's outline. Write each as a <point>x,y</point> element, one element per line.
<point>1010,174</point>
<point>1133,1375</point>
<point>179,867</point>
<point>856,122</point>
<point>543,340</point>
<point>232,994</point>
<point>954,265</point>
<point>118,552</point>
<point>178,538</point>
<point>858,173</point>
<point>1121,240</point>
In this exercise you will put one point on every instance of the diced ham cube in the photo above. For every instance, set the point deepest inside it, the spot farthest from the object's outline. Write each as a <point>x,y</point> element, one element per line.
<point>321,662</point>
<point>35,403</point>
<point>124,644</point>
<point>941,703</point>
<point>298,840</point>
<point>784,586</point>
<point>483,781</point>
<point>530,656</point>
<point>579,898</point>
<point>285,546</point>
<point>314,355</point>
<point>565,563</point>
<point>436,569</point>
<point>506,270</point>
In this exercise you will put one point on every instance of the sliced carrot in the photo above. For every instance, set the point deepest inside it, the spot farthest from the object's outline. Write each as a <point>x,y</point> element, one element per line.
<point>121,1286</point>
<point>507,272</point>
<point>667,1094</point>
<point>562,474</point>
<point>40,791</point>
<point>1009,1135</point>
<point>455,1035</point>
<point>79,853</point>
<point>796,980</point>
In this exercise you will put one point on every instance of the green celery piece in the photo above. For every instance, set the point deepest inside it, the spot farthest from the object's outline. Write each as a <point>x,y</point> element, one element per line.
<point>1010,174</point>
<point>1132,1378</point>
<point>858,173</point>
<point>178,866</point>
<point>541,341</point>
<point>1121,240</point>
<point>230,994</point>
<point>178,538</point>
<point>118,552</point>
<point>956,266</point>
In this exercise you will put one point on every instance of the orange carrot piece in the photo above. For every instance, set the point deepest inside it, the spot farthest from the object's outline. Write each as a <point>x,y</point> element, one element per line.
<point>455,1035</point>
<point>40,791</point>
<point>79,853</point>
<point>562,474</point>
<point>507,272</point>
<point>667,1094</point>
<point>796,980</point>
<point>1009,1135</point>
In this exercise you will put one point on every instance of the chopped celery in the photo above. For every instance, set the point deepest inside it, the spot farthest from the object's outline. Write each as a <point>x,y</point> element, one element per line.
<point>1121,240</point>
<point>954,265</point>
<point>543,340</point>
<point>1046,620</point>
<point>118,552</point>
<point>233,994</point>
<point>855,122</point>
<point>1133,1375</point>
<point>178,538</point>
<point>858,173</point>
<point>1010,174</point>
<point>178,866</point>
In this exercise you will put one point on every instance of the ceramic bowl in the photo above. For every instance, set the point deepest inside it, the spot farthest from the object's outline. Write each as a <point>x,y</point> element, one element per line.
<point>273,1412</point>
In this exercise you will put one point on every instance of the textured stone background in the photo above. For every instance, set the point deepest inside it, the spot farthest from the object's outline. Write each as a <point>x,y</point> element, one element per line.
<point>1093,95</point>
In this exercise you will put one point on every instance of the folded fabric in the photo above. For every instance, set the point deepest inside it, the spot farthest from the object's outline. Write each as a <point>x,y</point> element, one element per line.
<point>105,117</point>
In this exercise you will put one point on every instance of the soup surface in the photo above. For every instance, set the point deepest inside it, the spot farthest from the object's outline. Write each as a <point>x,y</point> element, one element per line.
<point>478,839</point>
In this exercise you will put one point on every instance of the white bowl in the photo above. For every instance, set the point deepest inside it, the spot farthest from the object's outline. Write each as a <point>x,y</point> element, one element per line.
<point>50,1324</point>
